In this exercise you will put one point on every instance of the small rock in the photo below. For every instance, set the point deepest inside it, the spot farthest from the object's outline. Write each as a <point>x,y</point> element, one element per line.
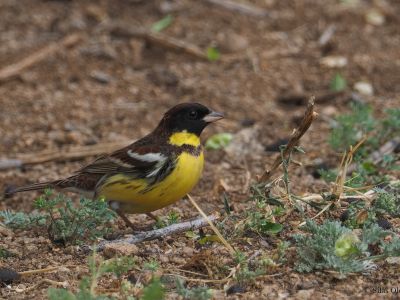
<point>304,294</point>
<point>163,76</point>
<point>393,260</point>
<point>5,231</point>
<point>329,111</point>
<point>232,42</point>
<point>111,250</point>
<point>73,137</point>
<point>308,284</point>
<point>57,136</point>
<point>246,141</point>
<point>375,17</point>
<point>188,251</point>
<point>334,61</point>
<point>247,122</point>
<point>167,6</point>
<point>100,77</point>
<point>364,88</point>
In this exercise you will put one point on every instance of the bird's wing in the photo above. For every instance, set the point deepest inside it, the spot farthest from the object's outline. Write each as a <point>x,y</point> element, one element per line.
<point>141,160</point>
<point>137,160</point>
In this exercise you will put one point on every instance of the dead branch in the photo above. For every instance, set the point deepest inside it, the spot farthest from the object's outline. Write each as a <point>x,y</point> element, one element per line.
<point>157,233</point>
<point>308,118</point>
<point>159,39</point>
<point>242,8</point>
<point>16,69</point>
<point>60,155</point>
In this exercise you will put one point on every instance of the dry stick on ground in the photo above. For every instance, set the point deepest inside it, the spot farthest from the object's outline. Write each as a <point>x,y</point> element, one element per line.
<point>62,284</point>
<point>16,69</point>
<point>158,39</point>
<point>215,229</point>
<point>157,233</point>
<point>8,274</point>
<point>61,155</point>
<point>308,118</point>
<point>242,8</point>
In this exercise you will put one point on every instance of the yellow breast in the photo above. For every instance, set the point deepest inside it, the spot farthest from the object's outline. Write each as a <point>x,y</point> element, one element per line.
<point>135,196</point>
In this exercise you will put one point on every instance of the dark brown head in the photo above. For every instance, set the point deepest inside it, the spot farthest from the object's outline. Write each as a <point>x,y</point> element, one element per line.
<point>189,117</point>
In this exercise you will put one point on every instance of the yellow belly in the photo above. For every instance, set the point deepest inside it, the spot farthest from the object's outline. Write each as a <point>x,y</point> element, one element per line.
<point>133,197</point>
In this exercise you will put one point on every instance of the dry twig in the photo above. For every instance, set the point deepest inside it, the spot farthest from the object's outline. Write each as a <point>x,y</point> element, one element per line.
<point>62,284</point>
<point>16,69</point>
<point>157,233</point>
<point>242,8</point>
<point>60,155</point>
<point>159,39</point>
<point>215,229</point>
<point>308,118</point>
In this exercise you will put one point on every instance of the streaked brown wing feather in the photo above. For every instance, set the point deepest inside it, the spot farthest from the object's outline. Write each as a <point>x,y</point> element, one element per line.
<point>120,161</point>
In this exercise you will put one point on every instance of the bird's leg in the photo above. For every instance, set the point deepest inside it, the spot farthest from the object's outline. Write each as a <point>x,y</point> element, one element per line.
<point>155,218</point>
<point>125,218</point>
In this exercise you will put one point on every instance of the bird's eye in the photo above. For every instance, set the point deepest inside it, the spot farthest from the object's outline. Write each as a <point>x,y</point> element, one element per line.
<point>193,114</point>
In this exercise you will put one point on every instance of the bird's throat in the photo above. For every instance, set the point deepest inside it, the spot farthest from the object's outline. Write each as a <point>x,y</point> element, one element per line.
<point>184,138</point>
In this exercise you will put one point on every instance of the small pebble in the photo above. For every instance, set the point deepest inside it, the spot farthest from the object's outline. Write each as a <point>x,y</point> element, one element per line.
<point>364,88</point>
<point>334,61</point>
<point>100,77</point>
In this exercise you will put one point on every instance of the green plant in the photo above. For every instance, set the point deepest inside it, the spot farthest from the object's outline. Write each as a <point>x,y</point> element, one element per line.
<point>197,293</point>
<point>338,83</point>
<point>65,222</point>
<point>213,54</point>
<point>333,246</point>
<point>282,247</point>
<point>243,273</point>
<point>352,127</point>
<point>386,202</point>
<point>218,141</point>
<point>87,286</point>
<point>154,291</point>
<point>151,265</point>
<point>162,24</point>
<point>172,218</point>
<point>21,220</point>
<point>4,253</point>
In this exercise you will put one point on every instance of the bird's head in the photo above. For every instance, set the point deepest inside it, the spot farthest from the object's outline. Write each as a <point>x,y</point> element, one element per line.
<point>191,118</point>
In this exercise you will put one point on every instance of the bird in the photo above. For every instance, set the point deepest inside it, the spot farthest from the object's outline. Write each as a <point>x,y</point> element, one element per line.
<point>151,173</point>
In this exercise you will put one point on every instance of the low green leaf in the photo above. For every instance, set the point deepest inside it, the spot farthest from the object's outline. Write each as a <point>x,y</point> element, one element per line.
<point>218,141</point>
<point>162,24</point>
<point>270,227</point>
<point>213,54</point>
<point>154,291</point>
<point>338,83</point>
<point>346,245</point>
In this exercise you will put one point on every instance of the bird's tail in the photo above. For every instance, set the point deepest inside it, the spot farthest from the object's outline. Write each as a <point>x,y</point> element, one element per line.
<point>31,187</point>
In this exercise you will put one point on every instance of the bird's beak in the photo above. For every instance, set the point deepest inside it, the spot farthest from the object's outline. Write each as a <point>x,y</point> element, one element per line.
<point>213,117</point>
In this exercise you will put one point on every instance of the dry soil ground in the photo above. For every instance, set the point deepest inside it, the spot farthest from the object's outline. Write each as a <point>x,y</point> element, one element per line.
<point>111,87</point>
